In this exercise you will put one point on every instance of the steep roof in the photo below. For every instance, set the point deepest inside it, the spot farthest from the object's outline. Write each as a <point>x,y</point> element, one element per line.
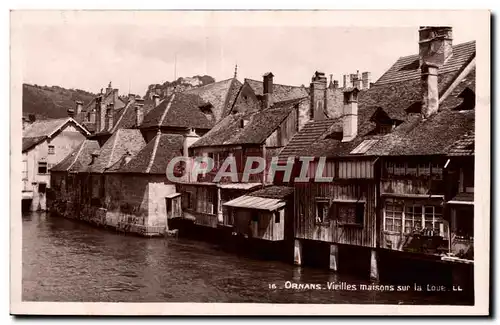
<point>121,142</point>
<point>79,159</point>
<point>110,96</point>
<point>406,67</point>
<point>463,146</point>
<point>397,99</point>
<point>245,128</point>
<point>179,110</point>
<point>40,130</point>
<point>280,92</point>
<point>221,95</point>
<point>155,156</point>
<point>273,192</point>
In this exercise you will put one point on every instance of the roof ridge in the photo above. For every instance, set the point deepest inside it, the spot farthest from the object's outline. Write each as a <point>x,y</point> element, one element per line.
<point>166,110</point>
<point>112,150</point>
<point>274,84</point>
<point>210,84</point>
<point>453,46</point>
<point>153,154</point>
<point>77,154</point>
<point>113,129</point>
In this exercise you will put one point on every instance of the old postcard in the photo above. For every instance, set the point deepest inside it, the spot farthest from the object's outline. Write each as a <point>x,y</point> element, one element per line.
<point>250,162</point>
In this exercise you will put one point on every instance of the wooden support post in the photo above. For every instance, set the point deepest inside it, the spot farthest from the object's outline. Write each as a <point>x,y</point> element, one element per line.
<point>297,253</point>
<point>334,257</point>
<point>373,265</point>
<point>220,217</point>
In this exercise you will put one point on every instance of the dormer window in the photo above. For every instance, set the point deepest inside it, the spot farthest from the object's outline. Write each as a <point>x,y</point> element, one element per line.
<point>385,128</point>
<point>469,100</point>
<point>414,65</point>
<point>206,109</point>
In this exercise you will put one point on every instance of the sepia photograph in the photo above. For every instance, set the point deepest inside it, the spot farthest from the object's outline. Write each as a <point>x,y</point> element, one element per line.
<point>257,162</point>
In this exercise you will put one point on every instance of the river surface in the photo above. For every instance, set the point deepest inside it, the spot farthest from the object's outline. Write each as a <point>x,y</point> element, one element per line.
<point>66,260</point>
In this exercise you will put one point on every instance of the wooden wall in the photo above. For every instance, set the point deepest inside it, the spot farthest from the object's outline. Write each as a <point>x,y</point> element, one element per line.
<point>265,227</point>
<point>305,212</point>
<point>347,169</point>
<point>282,135</point>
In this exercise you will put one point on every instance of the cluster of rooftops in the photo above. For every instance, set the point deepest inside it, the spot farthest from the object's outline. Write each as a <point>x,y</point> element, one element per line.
<point>141,135</point>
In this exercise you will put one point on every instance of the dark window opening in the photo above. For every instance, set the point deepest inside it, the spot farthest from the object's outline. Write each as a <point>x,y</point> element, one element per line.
<point>255,217</point>
<point>51,150</point>
<point>186,200</point>
<point>464,227</point>
<point>42,188</point>
<point>350,213</point>
<point>469,100</point>
<point>322,210</point>
<point>42,167</point>
<point>277,217</point>
<point>414,65</point>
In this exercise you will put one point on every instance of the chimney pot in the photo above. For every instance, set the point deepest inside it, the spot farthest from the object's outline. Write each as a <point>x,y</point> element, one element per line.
<point>366,78</point>
<point>156,99</point>
<point>79,107</point>
<point>350,118</point>
<point>268,89</point>
<point>435,48</point>
<point>318,96</point>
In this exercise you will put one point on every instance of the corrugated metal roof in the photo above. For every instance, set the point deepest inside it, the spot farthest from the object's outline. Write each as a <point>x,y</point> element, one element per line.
<point>255,202</point>
<point>363,147</point>
<point>239,186</point>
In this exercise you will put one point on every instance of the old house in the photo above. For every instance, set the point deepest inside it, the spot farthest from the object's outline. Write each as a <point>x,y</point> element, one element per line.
<point>384,158</point>
<point>94,114</point>
<point>257,126</point>
<point>46,143</point>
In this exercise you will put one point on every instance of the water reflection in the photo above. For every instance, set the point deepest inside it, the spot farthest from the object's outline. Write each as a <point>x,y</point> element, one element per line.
<point>64,260</point>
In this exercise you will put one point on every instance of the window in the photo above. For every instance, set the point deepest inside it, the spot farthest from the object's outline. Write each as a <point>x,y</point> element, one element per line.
<point>42,188</point>
<point>322,208</point>
<point>433,219</point>
<point>399,169</point>
<point>25,169</point>
<point>415,218</point>
<point>42,167</point>
<point>385,128</point>
<point>186,200</point>
<point>393,215</point>
<point>464,223</point>
<point>350,213</point>
<point>411,169</point>
<point>424,169</point>
<point>255,217</point>
<point>51,150</point>
<point>436,171</point>
<point>389,168</point>
<point>277,217</point>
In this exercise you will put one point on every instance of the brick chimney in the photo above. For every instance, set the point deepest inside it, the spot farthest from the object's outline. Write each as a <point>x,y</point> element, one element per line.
<point>318,96</point>
<point>109,117</point>
<point>435,48</point>
<point>268,90</point>
<point>79,107</point>
<point>347,81</point>
<point>156,99</point>
<point>139,111</point>
<point>350,116</point>
<point>366,78</point>
<point>100,114</point>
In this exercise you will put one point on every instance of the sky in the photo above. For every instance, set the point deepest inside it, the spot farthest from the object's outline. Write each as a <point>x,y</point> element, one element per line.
<point>85,54</point>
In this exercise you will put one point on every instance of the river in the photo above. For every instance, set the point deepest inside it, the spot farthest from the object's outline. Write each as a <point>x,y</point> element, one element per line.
<point>66,260</point>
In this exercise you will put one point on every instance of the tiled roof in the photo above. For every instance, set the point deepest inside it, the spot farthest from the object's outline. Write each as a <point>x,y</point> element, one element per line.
<point>221,95</point>
<point>29,143</point>
<point>414,136</point>
<point>464,197</point>
<point>273,192</point>
<point>454,100</point>
<point>79,159</point>
<point>280,92</point>
<point>40,130</point>
<point>309,134</point>
<point>179,110</point>
<point>463,146</point>
<point>155,156</point>
<point>121,142</point>
<point>259,126</point>
<point>462,53</point>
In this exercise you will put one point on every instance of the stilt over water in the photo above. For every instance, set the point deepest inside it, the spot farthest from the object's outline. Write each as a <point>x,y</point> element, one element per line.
<point>297,253</point>
<point>373,265</point>
<point>334,257</point>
